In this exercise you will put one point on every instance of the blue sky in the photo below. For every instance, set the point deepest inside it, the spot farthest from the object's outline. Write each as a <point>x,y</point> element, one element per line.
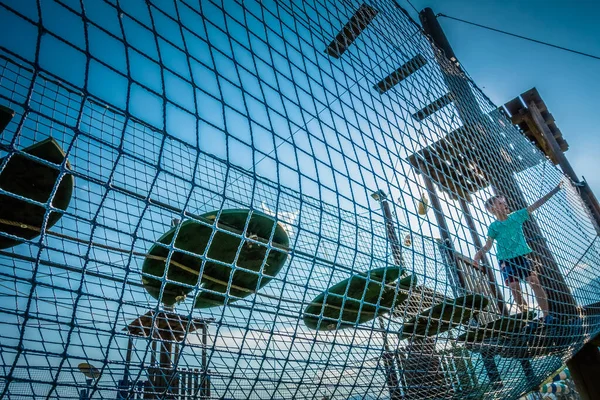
<point>505,66</point>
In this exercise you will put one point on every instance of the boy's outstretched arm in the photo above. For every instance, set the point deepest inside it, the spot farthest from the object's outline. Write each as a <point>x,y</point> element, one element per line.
<point>479,255</point>
<point>544,199</point>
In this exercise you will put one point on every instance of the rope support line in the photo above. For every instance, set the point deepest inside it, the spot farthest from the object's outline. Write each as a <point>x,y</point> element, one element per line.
<point>521,37</point>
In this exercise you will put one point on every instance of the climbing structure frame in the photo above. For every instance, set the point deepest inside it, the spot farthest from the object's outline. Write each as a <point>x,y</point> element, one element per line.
<point>324,125</point>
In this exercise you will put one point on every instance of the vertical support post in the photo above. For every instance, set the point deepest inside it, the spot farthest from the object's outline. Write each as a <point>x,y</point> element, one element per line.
<point>585,370</point>
<point>128,359</point>
<point>151,390</point>
<point>190,389</point>
<point>175,376</point>
<point>205,382</point>
<point>391,233</point>
<point>124,385</point>
<point>164,374</point>
<point>584,190</point>
<point>391,374</point>
<point>84,394</point>
<point>197,385</point>
<point>153,354</point>
<point>442,225</point>
<point>437,208</point>
<point>390,368</point>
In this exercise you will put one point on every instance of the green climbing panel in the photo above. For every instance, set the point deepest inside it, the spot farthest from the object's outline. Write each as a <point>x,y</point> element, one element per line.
<point>354,300</point>
<point>247,274</point>
<point>33,180</point>
<point>445,316</point>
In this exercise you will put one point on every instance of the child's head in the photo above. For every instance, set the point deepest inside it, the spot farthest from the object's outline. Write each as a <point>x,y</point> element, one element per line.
<point>497,205</point>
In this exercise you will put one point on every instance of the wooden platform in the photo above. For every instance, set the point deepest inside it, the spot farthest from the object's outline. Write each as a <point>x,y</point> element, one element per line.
<point>164,326</point>
<point>519,115</point>
<point>453,163</point>
<point>460,164</point>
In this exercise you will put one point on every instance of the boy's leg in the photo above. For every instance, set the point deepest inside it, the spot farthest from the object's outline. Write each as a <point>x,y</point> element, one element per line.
<point>511,278</point>
<point>515,288</point>
<point>540,293</point>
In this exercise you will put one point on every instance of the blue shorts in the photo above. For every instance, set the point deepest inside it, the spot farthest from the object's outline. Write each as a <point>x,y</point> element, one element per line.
<point>515,269</point>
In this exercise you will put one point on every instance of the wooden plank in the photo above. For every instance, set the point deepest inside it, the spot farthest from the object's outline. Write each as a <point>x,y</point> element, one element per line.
<point>444,177</point>
<point>434,107</point>
<point>461,157</point>
<point>440,166</point>
<point>450,168</point>
<point>514,106</point>
<point>407,69</point>
<point>548,117</point>
<point>532,95</point>
<point>564,146</point>
<point>556,132</point>
<point>453,163</point>
<point>357,23</point>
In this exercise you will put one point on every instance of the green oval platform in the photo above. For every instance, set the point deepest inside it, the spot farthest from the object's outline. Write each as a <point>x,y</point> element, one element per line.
<point>33,180</point>
<point>363,289</point>
<point>444,316</point>
<point>505,326</point>
<point>194,237</point>
<point>508,340</point>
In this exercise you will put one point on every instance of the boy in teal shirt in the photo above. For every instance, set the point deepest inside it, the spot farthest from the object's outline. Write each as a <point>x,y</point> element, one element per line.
<point>513,249</point>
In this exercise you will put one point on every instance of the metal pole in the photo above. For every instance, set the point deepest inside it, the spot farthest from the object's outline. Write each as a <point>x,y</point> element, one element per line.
<point>128,359</point>
<point>391,233</point>
<point>390,366</point>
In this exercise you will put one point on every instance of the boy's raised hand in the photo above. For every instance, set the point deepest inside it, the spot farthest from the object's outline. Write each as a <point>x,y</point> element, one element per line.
<point>476,264</point>
<point>559,187</point>
<point>546,197</point>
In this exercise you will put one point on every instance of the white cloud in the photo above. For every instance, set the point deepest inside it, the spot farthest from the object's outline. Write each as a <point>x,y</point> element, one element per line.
<point>287,219</point>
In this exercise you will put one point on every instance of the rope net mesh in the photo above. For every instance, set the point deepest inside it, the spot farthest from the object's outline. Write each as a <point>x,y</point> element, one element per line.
<point>202,178</point>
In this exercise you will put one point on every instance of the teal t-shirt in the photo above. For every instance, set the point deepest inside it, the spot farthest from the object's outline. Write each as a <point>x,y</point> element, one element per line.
<point>509,235</point>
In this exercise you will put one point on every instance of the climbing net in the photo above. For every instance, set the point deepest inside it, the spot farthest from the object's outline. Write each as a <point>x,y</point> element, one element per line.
<point>269,200</point>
